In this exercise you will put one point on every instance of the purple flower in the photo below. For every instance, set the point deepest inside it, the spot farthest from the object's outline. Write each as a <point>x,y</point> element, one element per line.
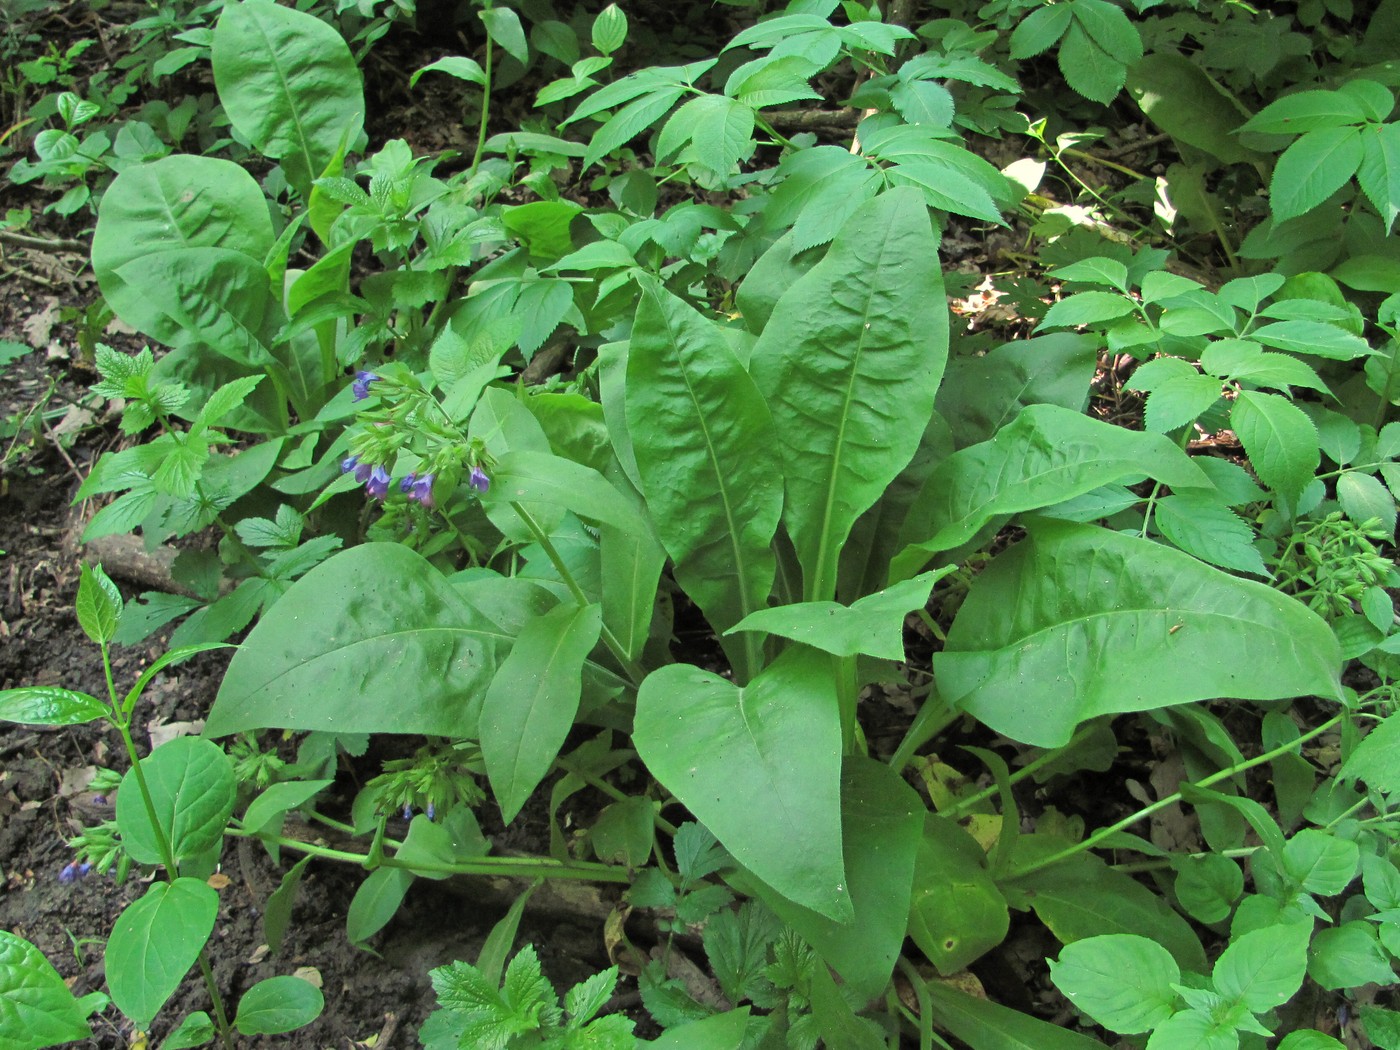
<point>361,384</point>
<point>407,811</point>
<point>478,480</point>
<point>69,872</point>
<point>84,868</point>
<point>349,463</point>
<point>377,484</point>
<point>418,488</point>
<point>431,811</point>
<point>99,800</point>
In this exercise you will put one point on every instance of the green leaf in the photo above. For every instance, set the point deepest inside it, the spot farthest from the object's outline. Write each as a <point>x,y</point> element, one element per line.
<point>1305,111</point>
<point>1180,400</point>
<point>372,622</point>
<point>1379,171</point>
<point>873,625</point>
<point>530,705</point>
<point>758,766</point>
<point>538,477</point>
<point>503,26</point>
<point>983,1023</point>
<point>1024,653</point>
<point>1202,525</point>
<point>36,1008</point>
<point>849,364</point>
<point>1280,439</point>
<point>1309,1039</point>
<point>1320,863</point>
<point>193,789</point>
<point>1264,968</point>
<point>923,102</point>
<point>1312,337</point>
<point>277,1005</point>
<point>774,80</point>
<point>1124,982</point>
<point>707,452</point>
<point>194,1029</point>
<point>1376,760</point>
<point>1088,68</point>
<point>1108,26</point>
<point>49,705</point>
<point>956,912</point>
<point>1182,99</point>
<point>629,122</point>
<point>609,30</point>
<point>458,66</point>
<point>1039,30</point>
<point>289,85</point>
<point>1208,886</point>
<point>1348,956</point>
<point>723,132</point>
<point>1246,361</point>
<point>1086,308</point>
<point>721,1032</point>
<point>946,187</point>
<point>1046,455</point>
<point>277,913</point>
<point>1365,498</point>
<point>375,902</point>
<point>154,943</point>
<point>1312,169</point>
<point>980,395</point>
<point>881,827</point>
<point>99,604</point>
<point>277,800</point>
<point>1084,897</point>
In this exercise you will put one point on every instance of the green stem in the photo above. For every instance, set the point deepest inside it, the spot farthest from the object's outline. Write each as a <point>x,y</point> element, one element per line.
<point>631,667</point>
<point>1172,799</point>
<point>963,805</point>
<point>602,785</point>
<point>485,113</point>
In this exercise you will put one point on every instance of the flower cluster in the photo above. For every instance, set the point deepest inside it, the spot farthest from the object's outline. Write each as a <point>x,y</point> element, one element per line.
<point>374,478</point>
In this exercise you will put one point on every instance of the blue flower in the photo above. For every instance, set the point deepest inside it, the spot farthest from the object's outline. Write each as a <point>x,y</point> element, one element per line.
<point>349,463</point>
<point>377,485</point>
<point>418,487</point>
<point>69,872</point>
<point>407,811</point>
<point>478,480</point>
<point>431,811</point>
<point>361,384</point>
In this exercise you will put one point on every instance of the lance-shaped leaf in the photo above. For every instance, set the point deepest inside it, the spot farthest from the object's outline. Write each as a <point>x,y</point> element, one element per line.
<point>874,625</point>
<point>759,766</point>
<point>708,457</point>
<point>849,363</point>
<point>1079,621</point>
<point>1046,455</point>
<point>373,640</point>
<point>530,706</point>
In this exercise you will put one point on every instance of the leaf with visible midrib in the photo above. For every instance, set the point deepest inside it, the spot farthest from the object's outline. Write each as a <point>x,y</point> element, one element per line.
<point>154,943</point>
<point>707,453</point>
<point>1079,621</point>
<point>849,363</point>
<point>38,1010</point>
<point>759,766</point>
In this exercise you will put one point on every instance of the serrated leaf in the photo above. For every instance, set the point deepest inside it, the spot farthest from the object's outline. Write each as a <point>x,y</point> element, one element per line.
<point>1086,308</point>
<point>1312,169</point>
<point>1023,654</point>
<point>723,134</point>
<point>1379,171</point>
<point>1108,26</point>
<point>1201,525</point>
<point>1179,400</point>
<point>1039,30</point>
<point>629,122</point>
<point>1305,111</point>
<point>1312,337</point>
<point>1124,982</point>
<point>1279,438</point>
<point>1363,498</point>
<point>1088,68</point>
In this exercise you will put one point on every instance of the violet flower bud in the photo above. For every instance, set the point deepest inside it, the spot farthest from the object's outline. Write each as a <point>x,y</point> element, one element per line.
<point>378,483</point>
<point>361,384</point>
<point>478,480</point>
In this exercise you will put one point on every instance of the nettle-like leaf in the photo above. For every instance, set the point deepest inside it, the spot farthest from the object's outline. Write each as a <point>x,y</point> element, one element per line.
<point>1124,982</point>
<point>1280,439</point>
<point>1025,652</point>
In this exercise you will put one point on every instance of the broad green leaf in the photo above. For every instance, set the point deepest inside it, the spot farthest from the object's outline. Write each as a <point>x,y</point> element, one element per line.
<point>821,188</point>
<point>376,902</point>
<point>945,187</point>
<point>458,66</point>
<point>1096,270</point>
<point>983,1024</point>
<point>759,766</point>
<point>1202,525</point>
<point>36,1008</point>
<point>1046,455</point>
<point>1247,361</point>
<point>539,477</point>
<point>1024,654</point>
<point>1183,100</point>
<point>1348,956</point>
<point>154,943</point>
<point>777,269</point>
<point>1312,169</point>
<point>193,789</point>
<point>1180,400</point>
<point>1379,171</point>
<point>721,1032</point>
<point>980,395</point>
<point>1320,863</point>
<point>1305,111</point>
<point>99,604</point>
<point>1039,30</point>
<point>849,364</point>
<point>723,132</point>
<point>49,705</point>
<point>530,705</point>
<point>609,30</point>
<point>1364,498</point>
<point>882,822</point>
<point>956,912</point>
<point>1086,308</point>
<point>630,121</point>
<point>1280,439</point>
<point>277,1005</point>
<point>773,80</point>
<point>1208,886</point>
<point>836,1020</point>
<point>1194,1030</point>
<point>708,456</point>
<point>873,625</point>
<point>1083,897</point>
<point>1124,982</point>
<point>277,800</point>
<point>1109,27</point>
<point>1309,1039</point>
<point>503,26</point>
<point>194,1029</point>
<point>1264,968</point>
<point>374,623</point>
<point>289,84</point>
